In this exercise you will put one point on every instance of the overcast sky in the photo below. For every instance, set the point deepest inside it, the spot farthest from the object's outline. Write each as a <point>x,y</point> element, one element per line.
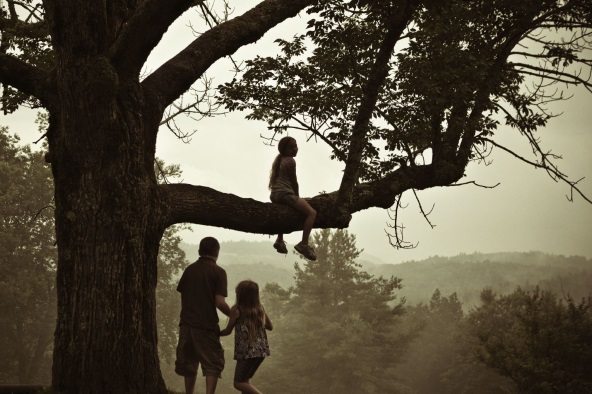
<point>527,211</point>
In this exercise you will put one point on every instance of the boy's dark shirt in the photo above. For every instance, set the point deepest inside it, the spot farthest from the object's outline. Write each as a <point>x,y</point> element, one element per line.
<point>199,285</point>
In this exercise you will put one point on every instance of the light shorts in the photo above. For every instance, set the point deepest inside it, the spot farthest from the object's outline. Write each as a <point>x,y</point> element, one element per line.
<point>286,198</point>
<point>195,347</point>
<point>245,369</point>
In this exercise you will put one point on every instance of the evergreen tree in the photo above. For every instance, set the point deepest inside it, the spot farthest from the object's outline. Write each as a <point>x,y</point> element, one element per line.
<point>337,330</point>
<point>432,352</point>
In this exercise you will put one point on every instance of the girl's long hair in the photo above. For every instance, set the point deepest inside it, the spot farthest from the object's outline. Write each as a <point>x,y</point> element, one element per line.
<point>251,310</point>
<point>275,167</point>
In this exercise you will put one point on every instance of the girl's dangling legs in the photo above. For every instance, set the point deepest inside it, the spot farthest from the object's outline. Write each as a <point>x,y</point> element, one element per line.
<point>279,244</point>
<point>303,206</point>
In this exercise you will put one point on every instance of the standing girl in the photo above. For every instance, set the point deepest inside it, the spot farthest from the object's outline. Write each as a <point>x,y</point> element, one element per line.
<point>250,321</point>
<point>284,190</point>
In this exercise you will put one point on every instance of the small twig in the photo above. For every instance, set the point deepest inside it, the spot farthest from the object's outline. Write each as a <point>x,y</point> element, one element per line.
<point>398,236</point>
<point>36,216</point>
<point>425,215</point>
<point>40,138</point>
<point>474,183</point>
<point>552,170</point>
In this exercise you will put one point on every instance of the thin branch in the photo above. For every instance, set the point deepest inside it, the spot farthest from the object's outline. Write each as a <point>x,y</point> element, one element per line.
<point>549,168</point>
<point>177,75</point>
<point>474,183</point>
<point>304,126</point>
<point>552,74</point>
<point>40,210</point>
<point>203,96</point>
<point>423,212</point>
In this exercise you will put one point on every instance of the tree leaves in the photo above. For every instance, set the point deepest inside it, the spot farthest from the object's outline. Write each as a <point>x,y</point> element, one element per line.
<point>452,72</point>
<point>27,262</point>
<point>539,341</point>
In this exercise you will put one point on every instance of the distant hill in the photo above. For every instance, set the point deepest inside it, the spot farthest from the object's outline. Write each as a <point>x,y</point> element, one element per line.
<point>262,252</point>
<point>469,274</point>
<point>465,274</point>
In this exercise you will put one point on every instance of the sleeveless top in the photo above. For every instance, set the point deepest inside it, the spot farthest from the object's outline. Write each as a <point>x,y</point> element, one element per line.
<point>242,348</point>
<point>282,183</point>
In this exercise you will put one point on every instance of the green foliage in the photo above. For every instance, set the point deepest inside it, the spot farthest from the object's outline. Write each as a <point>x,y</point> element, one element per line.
<point>539,341</point>
<point>438,359</point>
<point>430,354</point>
<point>171,262</point>
<point>29,41</point>
<point>312,332</point>
<point>454,69</point>
<point>336,329</point>
<point>27,263</point>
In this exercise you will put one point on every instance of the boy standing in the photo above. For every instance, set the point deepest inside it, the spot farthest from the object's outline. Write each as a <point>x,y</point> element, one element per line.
<point>203,288</point>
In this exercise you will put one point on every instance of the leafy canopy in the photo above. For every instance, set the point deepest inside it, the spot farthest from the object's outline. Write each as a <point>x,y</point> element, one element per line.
<point>460,70</point>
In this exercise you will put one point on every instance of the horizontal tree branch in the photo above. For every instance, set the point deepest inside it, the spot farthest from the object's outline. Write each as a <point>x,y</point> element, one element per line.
<point>202,205</point>
<point>561,76</point>
<point>177,75</point>
<point>22,76</point>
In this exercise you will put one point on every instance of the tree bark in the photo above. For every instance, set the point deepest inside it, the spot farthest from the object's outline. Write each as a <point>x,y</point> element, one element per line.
<point>183,203</point>
<point>108,228</point>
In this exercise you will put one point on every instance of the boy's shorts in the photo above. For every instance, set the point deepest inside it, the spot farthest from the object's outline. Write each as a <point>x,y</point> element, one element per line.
<point>245,369</point>
<point>195,347</point>
<point>286,198</point>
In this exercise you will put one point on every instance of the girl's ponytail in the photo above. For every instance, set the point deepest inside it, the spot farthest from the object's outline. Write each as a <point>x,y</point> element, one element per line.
<point>275,169</point>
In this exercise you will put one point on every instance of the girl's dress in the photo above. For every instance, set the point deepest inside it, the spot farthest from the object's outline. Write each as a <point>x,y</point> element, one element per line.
<point>243,349</point>
<point>249,355</point>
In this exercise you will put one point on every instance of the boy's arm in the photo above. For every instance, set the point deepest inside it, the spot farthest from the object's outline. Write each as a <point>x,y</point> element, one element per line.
<point>222,305</point>
<point>234,314</point>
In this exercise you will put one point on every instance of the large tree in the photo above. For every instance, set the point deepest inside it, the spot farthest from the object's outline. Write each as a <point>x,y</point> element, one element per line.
<point>433,72</point>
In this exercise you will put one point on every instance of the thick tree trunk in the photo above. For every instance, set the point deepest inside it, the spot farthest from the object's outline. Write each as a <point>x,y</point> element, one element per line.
<point>108,231</point>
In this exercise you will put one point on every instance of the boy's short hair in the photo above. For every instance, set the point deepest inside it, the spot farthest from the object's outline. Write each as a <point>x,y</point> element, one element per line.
<point>209,246</point>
